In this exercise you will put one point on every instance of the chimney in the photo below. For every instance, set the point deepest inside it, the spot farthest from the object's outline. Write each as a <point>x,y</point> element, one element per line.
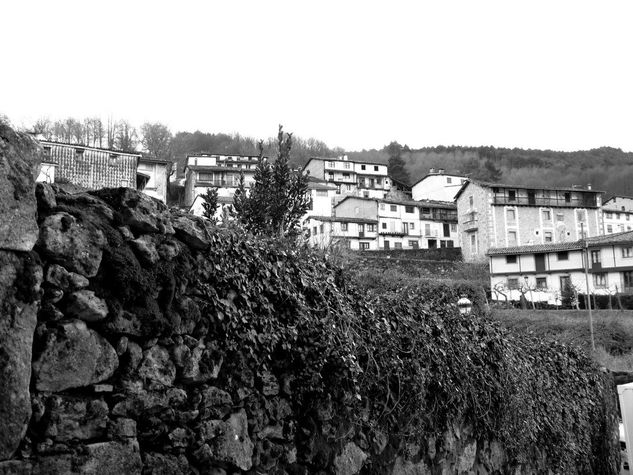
<point>344,157</point>
<point>432,170</point>
<point>441,170</point>
<point>589,186</point>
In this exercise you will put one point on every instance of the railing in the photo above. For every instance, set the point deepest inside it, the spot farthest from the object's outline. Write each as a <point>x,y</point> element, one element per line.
<point>572,201</point>
<point>470,225</point>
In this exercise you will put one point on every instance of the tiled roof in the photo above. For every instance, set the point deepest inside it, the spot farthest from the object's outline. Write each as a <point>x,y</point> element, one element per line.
<point>421,203</point>
<point>342,219</point>
<point>439,174</point>
<point>50,143</point>
<point>596,241</point>
<point>350,160</point>
<point>488,184</point>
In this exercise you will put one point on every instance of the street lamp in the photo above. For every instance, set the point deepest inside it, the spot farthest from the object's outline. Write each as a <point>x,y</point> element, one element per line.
<point>464,305</point>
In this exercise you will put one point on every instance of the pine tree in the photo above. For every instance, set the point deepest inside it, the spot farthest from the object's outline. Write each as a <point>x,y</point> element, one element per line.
<point>210,203</point>
<point>279,196</point>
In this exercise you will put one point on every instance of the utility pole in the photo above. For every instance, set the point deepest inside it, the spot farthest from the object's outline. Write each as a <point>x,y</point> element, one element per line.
<point>586,266</point>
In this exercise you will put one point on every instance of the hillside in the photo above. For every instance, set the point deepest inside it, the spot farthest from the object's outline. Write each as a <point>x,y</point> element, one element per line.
<point>607,169</point>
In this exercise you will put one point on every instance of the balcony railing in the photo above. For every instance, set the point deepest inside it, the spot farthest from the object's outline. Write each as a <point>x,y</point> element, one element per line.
<point>572,201</point>
<point>470,225</point>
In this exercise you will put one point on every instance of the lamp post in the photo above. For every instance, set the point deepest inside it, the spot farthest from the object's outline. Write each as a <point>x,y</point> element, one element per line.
<point>465,305</point>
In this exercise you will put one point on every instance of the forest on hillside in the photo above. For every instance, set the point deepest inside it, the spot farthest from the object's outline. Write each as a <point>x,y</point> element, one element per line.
<point>607,169</point>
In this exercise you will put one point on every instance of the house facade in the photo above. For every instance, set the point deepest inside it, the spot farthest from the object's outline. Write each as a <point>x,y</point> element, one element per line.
<point>617,214</point>
<point>155,171</point>
<point>544,272</point>
<point>88,167</point>
<point>496,215</point>
<point>366,223</point>
<point>438,186</point>
<point>322,195</point>
<point>205,171</point>
<point>351,177</point>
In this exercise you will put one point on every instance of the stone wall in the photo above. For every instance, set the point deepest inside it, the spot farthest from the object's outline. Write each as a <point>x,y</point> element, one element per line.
<point>111,363</point>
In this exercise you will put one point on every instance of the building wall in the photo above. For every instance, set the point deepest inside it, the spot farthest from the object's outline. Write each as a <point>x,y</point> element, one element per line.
<point>617,215</point>
<point>482,227</point>
<point>92,168</point>
<point>357,208</point>
<point>157,185</point>
<point>316,168</point>
<point>439,187</point>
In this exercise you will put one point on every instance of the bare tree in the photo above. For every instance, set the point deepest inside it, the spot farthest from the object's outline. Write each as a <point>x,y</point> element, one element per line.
<point>43,127</point>
<point>126,137</point>
<point>156,140</point>
<point>111,132</point>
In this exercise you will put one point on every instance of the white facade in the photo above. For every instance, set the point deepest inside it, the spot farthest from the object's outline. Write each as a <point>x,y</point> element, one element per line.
<point>438,186</point>
<point>542,272</point>
<point>355,234</point>
<point>617,214</point>
<point>350,177</point>
<point>156,170</point>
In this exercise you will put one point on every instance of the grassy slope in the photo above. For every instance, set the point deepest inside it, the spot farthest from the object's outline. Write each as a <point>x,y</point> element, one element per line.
<point>613,331</point>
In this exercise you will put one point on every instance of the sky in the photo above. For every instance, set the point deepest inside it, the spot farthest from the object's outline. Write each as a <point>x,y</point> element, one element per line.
<point>553,74</point>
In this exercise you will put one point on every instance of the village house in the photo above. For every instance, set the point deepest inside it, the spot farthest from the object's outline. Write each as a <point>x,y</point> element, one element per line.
<point>204,171</point>
<point>496,215</point>
<point>366,224</point>
<point>544,272</point>
<point>351,177</point>
<point>322,195</point>
<point>617,214</point>
<point>437,185</point>
<point>93,168</point>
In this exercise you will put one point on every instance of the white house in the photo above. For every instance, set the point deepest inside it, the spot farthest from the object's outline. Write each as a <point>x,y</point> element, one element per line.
<point>543,272</point>
<point>437,185</point>
<point>617,214</point>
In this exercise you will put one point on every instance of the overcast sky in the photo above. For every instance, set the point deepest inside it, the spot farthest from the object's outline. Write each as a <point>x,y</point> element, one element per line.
<point>533,74</point>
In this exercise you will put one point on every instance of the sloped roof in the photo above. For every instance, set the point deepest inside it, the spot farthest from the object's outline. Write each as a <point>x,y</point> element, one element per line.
<point>456,175</point>
<point>343,219</point>
<point>596,241</point>
<point>487,184</point>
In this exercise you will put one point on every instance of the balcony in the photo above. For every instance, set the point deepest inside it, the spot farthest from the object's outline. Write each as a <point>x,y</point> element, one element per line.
<point>566,200</point>
<point>220,183</point>
<point>471,224</point>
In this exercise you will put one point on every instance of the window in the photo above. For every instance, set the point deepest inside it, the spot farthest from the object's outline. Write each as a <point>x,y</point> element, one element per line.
<point>595,257</point>
<point>541,282</point>
<point>511,214</point>
<point>567,197</point>
<point>346,165</point>
<point>453,228</point>
<point>600,279</point>
<point>382,206</point>
<point>617,215</point>
<point>449,180</point>
<point>330,175</point>
<point>513,283</point>
<point>348,187</point>
<point>512,238</point>
<point>321,228</point>
<point>345,175</point>
<point>397,245</point>
<point>414,245</point>
<point>426,210</point>
<point>411,226</point>
<point>449,243</point>
<point>442,244</point>
<point>364,246</point>
<point>512,195</point>
<point>562,256</point>
<point>408,209</point>
<point>362,167</point>
<point>331,164</point>
<point>314,230</point>
<point>343,226</point>
<point>627,252</point>
<point>378,180</point>
<point>427,229</point>
<point>608,215</point>
<point>511,259</point>
<point>383,225</point>
<point>560,217</point>
<point>470,201</point>
<point>627,279</point>
<point>375,168</point>
<point>609,228</point>
<point>547,215</point>
<point>371,228</point>
<point>393,208</point>
<point>548,236</point>
<point>112,159</point>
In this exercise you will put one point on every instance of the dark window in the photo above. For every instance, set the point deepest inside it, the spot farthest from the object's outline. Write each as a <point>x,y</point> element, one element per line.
<point>567,197</point>
<point>512,195</point>
<point>627,279</point>
<point>375,168</point>
<point>384,225</point>
<point>364,246</point>
<point>362,167</point>
<point>562,256</point>
<point>449,244</point>
<point>393,208</point>
<point>595,257</point>
<point>541,282</point>
<point>513,283</point>
<point>408,209</point>
<point>343,226</point>
<point>511,259</point>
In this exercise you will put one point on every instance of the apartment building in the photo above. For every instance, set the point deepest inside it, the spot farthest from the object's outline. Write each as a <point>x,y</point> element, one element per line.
<point>366,223</point>
<point>617,214</point>
<point>351,177</point>
<point>496,215</point>
<point>204,171</point>
<point>437,185</point>
<point>543,272</point>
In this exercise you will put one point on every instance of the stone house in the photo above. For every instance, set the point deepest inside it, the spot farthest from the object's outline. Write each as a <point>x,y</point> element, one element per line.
<point>542,272</point>
<point>497,215</point>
